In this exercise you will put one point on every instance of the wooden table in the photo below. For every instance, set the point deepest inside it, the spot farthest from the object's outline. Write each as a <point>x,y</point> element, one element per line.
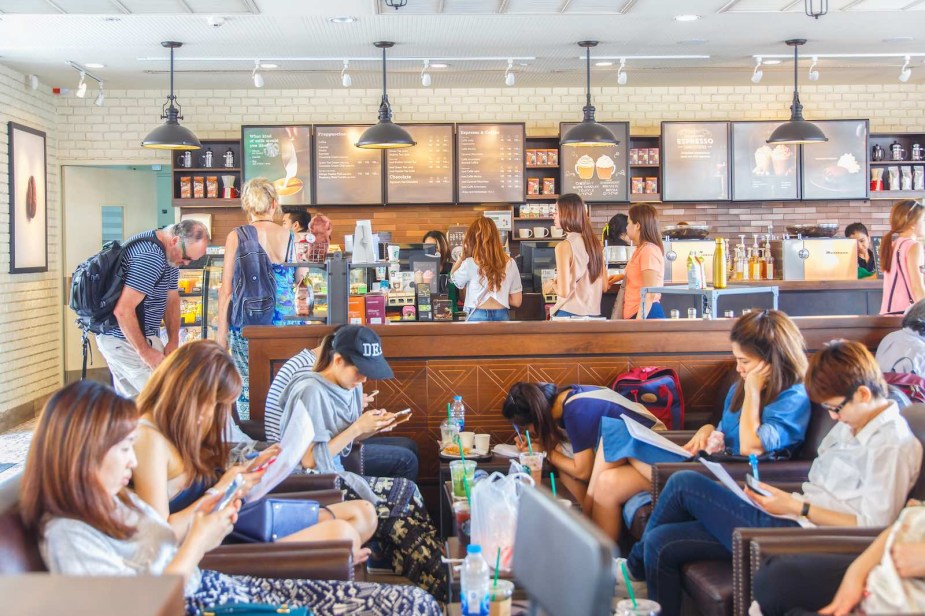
<point>497,463</point>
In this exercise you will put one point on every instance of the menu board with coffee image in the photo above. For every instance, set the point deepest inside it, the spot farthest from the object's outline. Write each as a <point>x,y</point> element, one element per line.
<point>490,160</point>
<point>695,161</point>
<point>761,170</point>
<point>423,173</point>
<point>837,168</point>
<point>282,154</point>
<point>596,173</point>
<point>344,173</point>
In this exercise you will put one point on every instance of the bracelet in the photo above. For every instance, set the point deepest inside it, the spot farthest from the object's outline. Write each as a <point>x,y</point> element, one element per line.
<point>805,512</point>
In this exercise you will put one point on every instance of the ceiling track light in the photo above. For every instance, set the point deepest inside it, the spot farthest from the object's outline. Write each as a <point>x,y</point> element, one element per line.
<point>345,78</point>
<point>621,73</point>
<point>813,73</point>
<point>426,79</point>
<point>396,4</point>
<point>82,85</point>
<point>588,132</point>
<point>797,130</point>
<point>385,134</point>
<point>906,71</point>
<point>509,78</point>
<point>257,77</point>
<point>34,82</point>
<point>100,97</point>
<point>170,135</point>
<point>812,10</point>
<point>757,74</point>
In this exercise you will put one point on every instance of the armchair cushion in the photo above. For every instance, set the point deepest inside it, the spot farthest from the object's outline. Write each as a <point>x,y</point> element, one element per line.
<point>324,560</point>
<point>709,584</point>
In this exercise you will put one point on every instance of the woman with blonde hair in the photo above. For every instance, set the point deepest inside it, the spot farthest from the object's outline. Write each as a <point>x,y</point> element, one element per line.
<point>580,275</point>
<point>489,276</point>
<point>901,257</point>
<point>256,289</point>
<point>182,451</point>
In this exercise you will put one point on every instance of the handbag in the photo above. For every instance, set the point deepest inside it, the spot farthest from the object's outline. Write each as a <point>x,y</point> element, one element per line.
<point>270,519</point>
<point>617,313</point>
<point>254,609</point>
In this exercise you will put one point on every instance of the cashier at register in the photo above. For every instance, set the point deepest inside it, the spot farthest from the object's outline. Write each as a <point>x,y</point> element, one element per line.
<point>867,264</point>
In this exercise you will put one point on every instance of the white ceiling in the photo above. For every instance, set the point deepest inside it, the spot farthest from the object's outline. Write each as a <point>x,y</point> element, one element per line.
<point>39,36</point>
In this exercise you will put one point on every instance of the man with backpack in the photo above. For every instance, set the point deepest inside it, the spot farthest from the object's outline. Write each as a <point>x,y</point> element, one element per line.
<point>133,347</point>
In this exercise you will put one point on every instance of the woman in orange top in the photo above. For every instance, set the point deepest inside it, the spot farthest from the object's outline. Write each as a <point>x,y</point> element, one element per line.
<point>646,268</point>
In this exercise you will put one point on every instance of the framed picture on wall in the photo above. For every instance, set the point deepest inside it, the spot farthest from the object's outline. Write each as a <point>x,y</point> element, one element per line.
<point>837,168</point>
<point>28,200</point>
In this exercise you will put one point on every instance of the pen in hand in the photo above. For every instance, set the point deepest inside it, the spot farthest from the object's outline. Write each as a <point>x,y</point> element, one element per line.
<point>753,462</point>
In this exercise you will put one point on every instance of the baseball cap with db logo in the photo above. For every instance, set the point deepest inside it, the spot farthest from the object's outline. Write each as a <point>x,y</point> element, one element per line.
<point>362,347</point>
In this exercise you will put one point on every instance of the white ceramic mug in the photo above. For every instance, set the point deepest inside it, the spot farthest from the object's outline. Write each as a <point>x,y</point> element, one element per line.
<point>348,242</point>
<point>482,442</point>
<point>541,231</point>
<point>525,233</point>
<point>556,232</point>
<point>468,439</point>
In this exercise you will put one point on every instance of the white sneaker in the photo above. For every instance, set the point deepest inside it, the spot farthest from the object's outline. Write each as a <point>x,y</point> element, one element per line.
<point>620,590</point>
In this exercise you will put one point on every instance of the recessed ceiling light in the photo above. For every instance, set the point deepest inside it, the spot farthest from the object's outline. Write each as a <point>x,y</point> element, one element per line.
<point>603,63</point>
<point>342,20</point>
<point>263,65</point>
<point>694,41</point>
<point>772,61</point>
<point>438,65</point>
<point>94,65</point>
<point>686,17</point>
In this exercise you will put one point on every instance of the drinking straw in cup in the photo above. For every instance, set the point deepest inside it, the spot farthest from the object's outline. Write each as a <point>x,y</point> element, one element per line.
<point>629,585</point>
<point>552,482</point>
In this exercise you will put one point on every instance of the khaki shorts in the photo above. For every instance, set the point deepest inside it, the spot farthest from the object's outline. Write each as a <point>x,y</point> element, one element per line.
<point>129,371</point>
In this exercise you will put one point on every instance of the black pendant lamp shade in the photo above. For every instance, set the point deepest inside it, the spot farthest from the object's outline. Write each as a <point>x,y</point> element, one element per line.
<point>386,134</point>
<point>170,135</point>
<point>797,130</point>
<point>589,132</point>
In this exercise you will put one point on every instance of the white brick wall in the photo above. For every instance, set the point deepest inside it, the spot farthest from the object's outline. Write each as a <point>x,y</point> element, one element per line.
<point>31,307</point>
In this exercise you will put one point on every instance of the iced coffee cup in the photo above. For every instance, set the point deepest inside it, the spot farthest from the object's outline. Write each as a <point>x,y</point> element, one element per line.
<point>605,167</point>
<point>780,157</point>
<point>500,597</point>
<point>585,167</point>
<point>533,462</point>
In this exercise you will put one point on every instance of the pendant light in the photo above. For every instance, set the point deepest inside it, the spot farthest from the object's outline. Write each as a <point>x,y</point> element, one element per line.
<point>170,135</point>
<point>797,130</point>
<point>386,134</point>
<point>589,132</point>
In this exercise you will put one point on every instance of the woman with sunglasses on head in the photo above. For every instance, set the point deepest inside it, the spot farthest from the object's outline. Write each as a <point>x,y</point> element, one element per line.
<point>766,413</point>
<point>902,257</point>
<point>75,501</point>
<point>865,468</point>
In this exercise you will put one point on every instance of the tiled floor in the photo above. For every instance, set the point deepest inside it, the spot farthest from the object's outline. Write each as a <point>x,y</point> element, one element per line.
<point>14,445</point>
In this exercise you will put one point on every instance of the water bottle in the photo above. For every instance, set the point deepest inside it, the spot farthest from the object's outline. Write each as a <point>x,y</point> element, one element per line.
<point>474,583</point>
<point>458,411</point>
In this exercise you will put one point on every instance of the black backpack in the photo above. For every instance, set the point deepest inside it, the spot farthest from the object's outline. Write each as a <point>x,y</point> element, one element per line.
<point>95,289</point>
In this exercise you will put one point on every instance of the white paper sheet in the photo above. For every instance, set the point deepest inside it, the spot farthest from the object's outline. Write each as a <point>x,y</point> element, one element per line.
<point>504,449</point>
<point>295,442</point>
<point>726,479</point>
<point>651,437</point>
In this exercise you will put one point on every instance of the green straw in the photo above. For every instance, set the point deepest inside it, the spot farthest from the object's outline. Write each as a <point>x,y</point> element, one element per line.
<point>552,482</point>
<point>466,488</point>
<point>449,411</point>
<point>497,569</point>
<point>462,456</point>
<point>529,444</point>
<point>629,586</point>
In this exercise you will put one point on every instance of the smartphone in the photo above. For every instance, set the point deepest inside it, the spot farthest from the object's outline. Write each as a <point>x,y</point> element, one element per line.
<point>752,484</point>
<point>403,413</point>
<point>236,484</point>
<point>374,393</point>
<point>262,466</point>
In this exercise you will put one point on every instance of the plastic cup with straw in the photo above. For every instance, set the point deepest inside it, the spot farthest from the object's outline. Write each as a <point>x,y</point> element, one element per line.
<point>529,444</point>
<point>552,483</point>
<point>629,585</point>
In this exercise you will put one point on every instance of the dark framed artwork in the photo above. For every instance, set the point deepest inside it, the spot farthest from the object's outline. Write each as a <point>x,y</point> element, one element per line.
<point>28,200</point>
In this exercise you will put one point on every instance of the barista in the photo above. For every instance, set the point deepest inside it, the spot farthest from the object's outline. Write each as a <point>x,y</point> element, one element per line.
<point>867,264</point>
<point>615,231</point>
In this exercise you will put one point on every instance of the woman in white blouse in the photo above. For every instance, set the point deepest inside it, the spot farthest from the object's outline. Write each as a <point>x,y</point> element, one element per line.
<point>489,276</point>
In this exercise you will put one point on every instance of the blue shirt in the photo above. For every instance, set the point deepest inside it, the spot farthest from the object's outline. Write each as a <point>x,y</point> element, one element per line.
<point>783,421</point>
<point>581,417</point>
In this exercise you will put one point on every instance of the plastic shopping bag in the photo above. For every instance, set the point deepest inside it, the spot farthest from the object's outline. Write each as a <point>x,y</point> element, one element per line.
<point>494,515</point>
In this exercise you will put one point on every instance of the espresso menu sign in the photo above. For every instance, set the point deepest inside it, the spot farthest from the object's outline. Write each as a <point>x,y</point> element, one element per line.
<point>344,173</point>
<point>490,160</point>
<point>695,161</point>
<point>762,171</point>
<point>422,173</point>
<point>282,154</point>
<point>837,168</point>
<point>596,173</point>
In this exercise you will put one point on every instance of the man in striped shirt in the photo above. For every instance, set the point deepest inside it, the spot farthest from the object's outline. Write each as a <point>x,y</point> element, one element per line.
<point>134,348</point>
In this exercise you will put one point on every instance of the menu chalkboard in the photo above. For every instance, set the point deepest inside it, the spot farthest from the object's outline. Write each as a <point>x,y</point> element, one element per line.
<point>491,163</point>
<point>596,173</point>
<point>837,168</point>
<point>281,154</point>
<point>344,173</point>
<point>695,159</point>
<point>762,171</point>
<point>423,173</point>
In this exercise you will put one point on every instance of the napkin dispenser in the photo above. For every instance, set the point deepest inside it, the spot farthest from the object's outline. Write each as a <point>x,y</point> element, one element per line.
<point>820,259</point>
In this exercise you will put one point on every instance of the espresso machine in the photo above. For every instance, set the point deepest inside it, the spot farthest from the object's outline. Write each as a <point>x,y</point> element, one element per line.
<point>819,258</point>
<point>676,253</point>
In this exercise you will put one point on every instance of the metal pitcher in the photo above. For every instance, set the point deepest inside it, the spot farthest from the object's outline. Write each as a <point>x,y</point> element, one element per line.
<point>897,151</point>
<point>876,154</point>
<point>185,159</point>
<point>918,152</point>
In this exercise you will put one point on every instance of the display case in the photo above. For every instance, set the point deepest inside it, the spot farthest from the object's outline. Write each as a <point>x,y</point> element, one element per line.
<point>191,284</point>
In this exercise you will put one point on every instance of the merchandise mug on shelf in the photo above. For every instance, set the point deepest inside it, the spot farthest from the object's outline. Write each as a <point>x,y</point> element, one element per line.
<point>539,232</point>
<point>525,234</point>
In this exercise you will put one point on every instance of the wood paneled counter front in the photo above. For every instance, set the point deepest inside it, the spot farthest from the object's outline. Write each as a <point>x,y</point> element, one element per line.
<point>480,361</point>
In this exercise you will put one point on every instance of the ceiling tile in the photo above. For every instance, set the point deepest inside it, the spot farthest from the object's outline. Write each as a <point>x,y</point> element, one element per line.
<point>142,7</point>
<point>219,7</point>
<point>471,7</point>
<point>27,6</point>
<point>534,6</point>
<point>599,7</point>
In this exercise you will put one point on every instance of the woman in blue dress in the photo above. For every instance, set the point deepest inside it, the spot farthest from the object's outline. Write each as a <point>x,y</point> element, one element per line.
<point>766,413</point>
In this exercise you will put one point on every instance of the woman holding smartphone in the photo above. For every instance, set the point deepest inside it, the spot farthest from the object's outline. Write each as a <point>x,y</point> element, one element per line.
<point>74,498</point>
<point>181,449</point>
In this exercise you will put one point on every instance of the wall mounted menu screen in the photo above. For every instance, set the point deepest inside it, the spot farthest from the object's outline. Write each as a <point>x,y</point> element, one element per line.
<point>761,171</point>
<point>423,173</point>
<point>282,154</point>
<point>490,160</point>
<point>695,161</point>
<point>344,173</point>
<point>597,173</point>
<point>837,168</point>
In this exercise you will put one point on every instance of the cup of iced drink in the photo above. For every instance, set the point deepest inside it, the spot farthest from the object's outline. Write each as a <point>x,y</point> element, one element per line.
<point>462,516</point>
<point>458,470</point>
<point>643,607</point>
<point>500,597</point>
<point>533,462</point>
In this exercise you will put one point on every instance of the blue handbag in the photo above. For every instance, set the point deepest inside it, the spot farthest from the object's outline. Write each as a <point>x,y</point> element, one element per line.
<point>254,609</point>
<point>270,519</point>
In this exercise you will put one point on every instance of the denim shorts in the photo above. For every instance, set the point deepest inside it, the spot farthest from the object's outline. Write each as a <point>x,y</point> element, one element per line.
<point>489,314</point>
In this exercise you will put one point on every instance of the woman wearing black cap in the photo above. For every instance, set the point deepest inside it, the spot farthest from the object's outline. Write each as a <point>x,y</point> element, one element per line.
<point>333,398</point>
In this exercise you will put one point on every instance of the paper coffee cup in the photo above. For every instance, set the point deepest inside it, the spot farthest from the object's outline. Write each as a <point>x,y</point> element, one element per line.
<point>482,442</point>
<point>468,439</point>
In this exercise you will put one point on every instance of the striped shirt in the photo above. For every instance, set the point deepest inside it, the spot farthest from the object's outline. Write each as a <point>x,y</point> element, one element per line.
<point>147,271</point>
<point>273,409</point>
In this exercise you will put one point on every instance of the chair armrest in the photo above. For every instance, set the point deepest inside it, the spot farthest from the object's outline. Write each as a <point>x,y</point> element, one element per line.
<point>679,437</point>
<point>355,462</point>
<point>306,483</point>
<point>325,497</point>
<point>783,474</point>
<point>323,560</point>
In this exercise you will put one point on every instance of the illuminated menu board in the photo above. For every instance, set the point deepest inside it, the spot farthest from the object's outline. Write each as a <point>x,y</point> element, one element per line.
<point>344,173</point>
<point>491,163</point>
<point>695,161</point>
<point>596,173</point>
<point>281,154</point>
<point>422,173</point>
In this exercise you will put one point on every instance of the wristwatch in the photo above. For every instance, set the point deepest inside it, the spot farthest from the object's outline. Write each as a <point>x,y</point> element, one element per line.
<point>805,512</point>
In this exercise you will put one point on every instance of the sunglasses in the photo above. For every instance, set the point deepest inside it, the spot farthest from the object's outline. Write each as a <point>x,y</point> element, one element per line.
<point>835,410</point>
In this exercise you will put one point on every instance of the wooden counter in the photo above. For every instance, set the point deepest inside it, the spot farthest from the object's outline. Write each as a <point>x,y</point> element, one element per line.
<point>480,361</point>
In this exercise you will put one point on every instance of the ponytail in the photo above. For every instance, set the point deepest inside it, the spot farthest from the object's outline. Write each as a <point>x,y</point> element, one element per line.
<point>326,356</point>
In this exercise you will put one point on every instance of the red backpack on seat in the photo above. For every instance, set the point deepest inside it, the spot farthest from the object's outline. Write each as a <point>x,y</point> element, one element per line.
<point>656,388</point>
<point>911,384</point>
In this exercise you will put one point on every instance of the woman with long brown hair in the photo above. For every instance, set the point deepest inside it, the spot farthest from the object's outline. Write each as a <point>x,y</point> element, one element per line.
<point>580,275</point>
<point>646,268</point>
<point>901,257</point>
<point>75,500</point>
<point>182,451</point>
<point>489,276</point>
